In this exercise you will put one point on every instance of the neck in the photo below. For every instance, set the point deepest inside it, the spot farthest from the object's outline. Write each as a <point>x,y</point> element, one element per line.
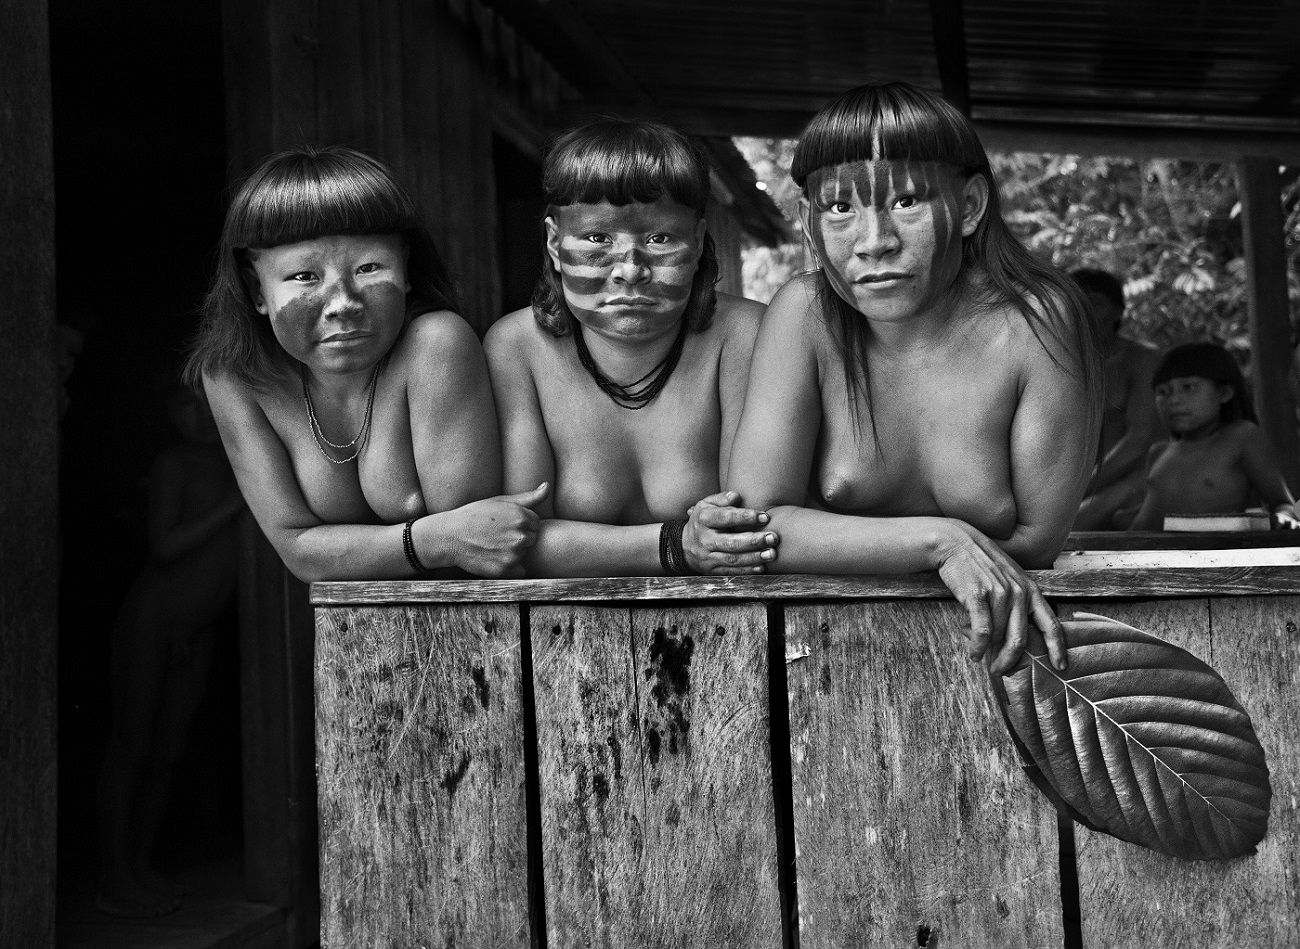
<point>338,386</point>
<point>1202,432</point>
<point>624,359</point>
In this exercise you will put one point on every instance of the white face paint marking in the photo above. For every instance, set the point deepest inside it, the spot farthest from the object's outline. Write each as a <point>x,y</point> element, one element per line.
<point>888,233</point>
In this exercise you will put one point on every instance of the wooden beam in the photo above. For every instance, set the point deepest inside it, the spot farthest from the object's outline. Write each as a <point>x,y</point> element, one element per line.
<point>948,27</point>
<point>28,483</point>
<point>1262,226</point>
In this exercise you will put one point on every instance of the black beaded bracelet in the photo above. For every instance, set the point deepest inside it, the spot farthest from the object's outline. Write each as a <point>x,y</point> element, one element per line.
<point>408,548</point>
<point>672,556</point>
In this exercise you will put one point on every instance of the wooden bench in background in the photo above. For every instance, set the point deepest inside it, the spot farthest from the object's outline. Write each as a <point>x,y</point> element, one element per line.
<point>708,762</point>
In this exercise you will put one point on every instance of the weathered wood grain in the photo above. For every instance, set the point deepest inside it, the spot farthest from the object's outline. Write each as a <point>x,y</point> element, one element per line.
<point>421,777</point>
<point>1146,583</point>
<point>657,817</point>
<point>913,823</point>
<point>29,497</point>
<point>1127,892</point>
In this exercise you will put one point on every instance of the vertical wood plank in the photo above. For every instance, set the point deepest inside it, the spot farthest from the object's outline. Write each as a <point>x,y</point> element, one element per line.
<point>1263,229</point>
<point>914,824</point>
<point>1254,643</point>
<point>654,757</point>
<point>419,727</point>
<point>28,483</point>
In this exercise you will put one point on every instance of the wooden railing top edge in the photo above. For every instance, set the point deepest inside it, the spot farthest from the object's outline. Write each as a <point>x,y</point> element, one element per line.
<point>1154,582</point>
<point>1180,540</point>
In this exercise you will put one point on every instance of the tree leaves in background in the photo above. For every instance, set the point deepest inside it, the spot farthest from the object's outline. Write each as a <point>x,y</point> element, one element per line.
<point>1141,740</point>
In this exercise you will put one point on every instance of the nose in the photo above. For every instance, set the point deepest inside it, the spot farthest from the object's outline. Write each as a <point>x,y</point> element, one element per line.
<point>876,235</point>
<point>632,265</point>
<point>343,299</point>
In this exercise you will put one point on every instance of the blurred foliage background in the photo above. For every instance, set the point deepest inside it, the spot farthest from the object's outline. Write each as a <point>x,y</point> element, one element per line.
<point>1170,230</point>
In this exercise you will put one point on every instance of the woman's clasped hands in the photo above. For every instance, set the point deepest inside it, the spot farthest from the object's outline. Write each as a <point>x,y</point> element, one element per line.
<point>723,538</point>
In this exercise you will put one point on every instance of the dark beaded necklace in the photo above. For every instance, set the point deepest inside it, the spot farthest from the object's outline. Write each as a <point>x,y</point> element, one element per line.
<point>630,396</point>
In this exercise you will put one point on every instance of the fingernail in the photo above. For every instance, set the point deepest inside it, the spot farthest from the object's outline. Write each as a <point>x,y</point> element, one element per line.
<point>763,518</point>
<point>768,554</point>
<point>769,539</point>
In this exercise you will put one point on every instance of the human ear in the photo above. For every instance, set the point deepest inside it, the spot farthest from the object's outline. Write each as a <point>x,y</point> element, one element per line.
<point>1226,393</point>
<point>805,218</point>
<point>406,264</point>
<point>553,241</point>
<point>253,285</point>
<point>974,202</point>
<point>700,227</point>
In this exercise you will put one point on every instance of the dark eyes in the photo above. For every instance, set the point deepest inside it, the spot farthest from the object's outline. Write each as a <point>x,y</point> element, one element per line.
<point>597,238</point>
<point>906,201</point>
<point>368,268</point>
<point>658,239</point>
<point>302,276</point>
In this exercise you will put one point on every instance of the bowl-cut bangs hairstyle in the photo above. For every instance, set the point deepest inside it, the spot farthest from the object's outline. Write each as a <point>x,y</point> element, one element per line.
<point>1208,361</point>
<point>295,195</point>
<point>896,121</point>
<point>625,162</point>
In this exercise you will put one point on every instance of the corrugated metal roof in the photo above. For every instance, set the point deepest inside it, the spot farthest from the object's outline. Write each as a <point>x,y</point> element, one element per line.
<point>764,66</point>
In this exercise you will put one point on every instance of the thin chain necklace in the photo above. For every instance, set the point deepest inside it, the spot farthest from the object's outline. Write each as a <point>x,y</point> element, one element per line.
<point>630,396</point>
<point>362,436</point>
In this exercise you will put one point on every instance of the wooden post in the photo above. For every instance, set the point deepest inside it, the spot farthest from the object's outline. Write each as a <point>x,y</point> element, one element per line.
<point>1270,315</point>
<point>28,483</point>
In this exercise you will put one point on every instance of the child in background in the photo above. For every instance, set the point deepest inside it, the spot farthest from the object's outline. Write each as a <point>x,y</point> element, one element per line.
<point>1217,460</point>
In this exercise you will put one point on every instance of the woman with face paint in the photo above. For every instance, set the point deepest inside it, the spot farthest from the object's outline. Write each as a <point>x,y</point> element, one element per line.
<point>353,403</point>
<point>927,398</point>
<point>623,383</point>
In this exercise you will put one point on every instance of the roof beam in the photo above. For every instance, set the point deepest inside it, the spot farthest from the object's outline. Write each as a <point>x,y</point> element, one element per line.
<point>1136,142</point>
<point>948,27</point>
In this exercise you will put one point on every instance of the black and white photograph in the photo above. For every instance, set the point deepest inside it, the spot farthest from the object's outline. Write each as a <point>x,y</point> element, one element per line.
<point>645,474</point>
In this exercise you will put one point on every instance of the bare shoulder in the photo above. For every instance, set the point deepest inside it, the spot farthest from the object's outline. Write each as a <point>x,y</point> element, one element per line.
<point>437,336</point>
<point>517,340</point>
<point>228,394</point>
<point>1244,434</point>
<point>796,312</point>
<point>737,311</point>
<point>735,322</point>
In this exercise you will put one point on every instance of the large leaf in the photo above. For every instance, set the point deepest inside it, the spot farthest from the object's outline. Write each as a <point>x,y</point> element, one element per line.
<point>1139,739</point>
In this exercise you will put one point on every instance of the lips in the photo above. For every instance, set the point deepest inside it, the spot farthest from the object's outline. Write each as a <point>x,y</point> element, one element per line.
<point>630,301</point>
<point>877,278</point>
<point>351,336</point>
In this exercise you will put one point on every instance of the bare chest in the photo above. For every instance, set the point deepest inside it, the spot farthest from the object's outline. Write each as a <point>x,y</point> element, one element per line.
<point>378,485</point>
<point>926,446</point>
<point>1200,478</point>
<point>616,465</point>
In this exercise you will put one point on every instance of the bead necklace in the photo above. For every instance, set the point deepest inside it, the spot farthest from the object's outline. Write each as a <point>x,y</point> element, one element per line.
<point>629,396</point>
<point>362,436</point>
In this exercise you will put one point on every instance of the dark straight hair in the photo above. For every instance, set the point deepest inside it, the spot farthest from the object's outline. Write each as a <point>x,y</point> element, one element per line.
<point>1208,361</point>
<point>295,195</point>
<point>895,121</point>
<point>625,162</point>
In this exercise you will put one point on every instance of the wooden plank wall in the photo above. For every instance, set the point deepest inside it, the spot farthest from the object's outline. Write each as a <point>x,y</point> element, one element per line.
<point>421,773</point>
<point>1254,643</point>
<point>913,824</point>
<point>657,791</point>
<point>28,483</point>
<point>729,239</point>
<point>656,795</point>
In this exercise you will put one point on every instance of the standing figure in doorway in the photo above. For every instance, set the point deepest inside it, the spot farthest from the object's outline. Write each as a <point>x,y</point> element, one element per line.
<point>1129,422</point>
